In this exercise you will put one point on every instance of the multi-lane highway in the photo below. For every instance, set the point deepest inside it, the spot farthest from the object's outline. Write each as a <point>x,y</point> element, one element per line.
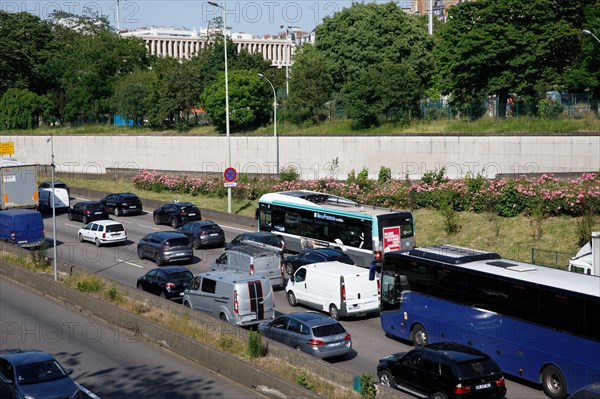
<point>107,361</point>
<point>121,263</point>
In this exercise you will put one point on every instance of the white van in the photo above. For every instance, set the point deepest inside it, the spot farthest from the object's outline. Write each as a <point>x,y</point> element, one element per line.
<point>237,298</point>
<point>335,287</point>
<point>61,199</point>
<point>251,259</point>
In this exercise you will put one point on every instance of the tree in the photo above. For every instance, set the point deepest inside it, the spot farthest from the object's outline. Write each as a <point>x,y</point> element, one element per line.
<point>132,94</point>
<point>23,50</point>
<point>22,109</point>
<point>249,100</point>
<point>501,47</point>
<point>368,38</point>
<point>311,84</point>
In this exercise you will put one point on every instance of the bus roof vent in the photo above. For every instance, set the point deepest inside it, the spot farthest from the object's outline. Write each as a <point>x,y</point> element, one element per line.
<point>453,254</point>
<point>502,263</point>
<point>522,268</point>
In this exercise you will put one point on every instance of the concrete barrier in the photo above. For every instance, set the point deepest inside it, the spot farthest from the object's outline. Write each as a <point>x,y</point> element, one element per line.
<point>244,373</point>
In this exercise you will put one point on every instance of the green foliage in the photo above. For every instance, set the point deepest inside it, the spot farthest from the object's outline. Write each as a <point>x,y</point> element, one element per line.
<point>444,203</point>
<point>362,178</point>
<point>585,225</point>
<point>509,203</point>
<point>226,342</point>
<point>39,257</point>
<point>385,174</point>
<point>434,177</point>
<point>113,293</point>
<point>255,348</point>
<point>90,283</point>
<point>303,381</point>
<point>289,173</point>
<point>22,109</point>
<point>549,109</point>
<point>367,387</point>
<point>131,96</point>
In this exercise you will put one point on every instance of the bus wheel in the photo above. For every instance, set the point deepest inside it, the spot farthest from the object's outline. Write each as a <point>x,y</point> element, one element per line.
<point>418,335</point>
<point>554,383</point>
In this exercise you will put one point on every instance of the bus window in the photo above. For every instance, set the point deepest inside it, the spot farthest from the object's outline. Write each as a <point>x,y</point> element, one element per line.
<point>264,219</point>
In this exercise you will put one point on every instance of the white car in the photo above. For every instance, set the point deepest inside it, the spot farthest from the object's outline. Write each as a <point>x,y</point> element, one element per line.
<point>103,232</point>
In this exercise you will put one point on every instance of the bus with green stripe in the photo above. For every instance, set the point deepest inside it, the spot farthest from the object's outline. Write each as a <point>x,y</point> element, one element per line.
<point>309,220</point>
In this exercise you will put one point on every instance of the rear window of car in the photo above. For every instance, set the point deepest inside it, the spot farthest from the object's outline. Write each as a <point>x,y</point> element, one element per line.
<point>476,368</point>
<point>95,207</point>
<point>328,329</point>
<point>130,197</point>
<point>113,228</point>
<point>211,227</point>
<point>270,240</point>
<point>181,276</point>
<point>177,242</point>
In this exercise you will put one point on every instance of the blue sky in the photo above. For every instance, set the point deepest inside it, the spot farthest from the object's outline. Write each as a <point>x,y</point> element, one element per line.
<point>256,17</point>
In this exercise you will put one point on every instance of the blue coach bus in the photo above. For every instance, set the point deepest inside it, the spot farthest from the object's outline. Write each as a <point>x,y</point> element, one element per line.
<point>309,219</point>
<point>538,323</point>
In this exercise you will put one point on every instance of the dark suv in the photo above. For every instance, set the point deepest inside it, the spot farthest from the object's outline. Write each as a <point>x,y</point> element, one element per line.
<point>123,204</point>
<point>443,370</point>
<point>176,214</point>
<point>88,211</point>
<point>165,246</point>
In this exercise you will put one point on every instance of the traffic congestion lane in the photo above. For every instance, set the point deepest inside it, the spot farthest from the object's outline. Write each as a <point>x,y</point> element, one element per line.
<point>122,264</point>
<point>110,362</point>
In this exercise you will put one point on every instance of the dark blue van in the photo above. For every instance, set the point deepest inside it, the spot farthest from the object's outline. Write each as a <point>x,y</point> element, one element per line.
<point>22,227</point>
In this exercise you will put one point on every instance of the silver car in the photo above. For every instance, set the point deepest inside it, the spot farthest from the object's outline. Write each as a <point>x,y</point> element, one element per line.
<point>310,332</point>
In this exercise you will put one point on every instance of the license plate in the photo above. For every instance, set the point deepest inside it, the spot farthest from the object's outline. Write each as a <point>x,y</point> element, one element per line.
<point>214,234</point>
<point>483,386</point>
<point>192,214</point>
<point>181,294</point>
<point>248,317</point>
<point>133,206</point>
<point>116,234</point>
<point>97,213</point>
<point>335,344</point>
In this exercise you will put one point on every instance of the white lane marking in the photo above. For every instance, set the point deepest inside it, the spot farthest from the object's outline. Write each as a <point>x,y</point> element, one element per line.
<point>129,263</point>
<point>149,227</point>
<point>87,392</point>
<point>72,225</point>
<point>122,221</point>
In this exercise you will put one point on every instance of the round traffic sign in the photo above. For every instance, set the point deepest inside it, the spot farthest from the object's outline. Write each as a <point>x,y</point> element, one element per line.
<point>230,175</point>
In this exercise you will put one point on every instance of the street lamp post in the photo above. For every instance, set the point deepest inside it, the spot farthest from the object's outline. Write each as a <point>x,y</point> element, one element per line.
<point>587,32</point>
<point>54,251</point>
<point>224,14</point>
<point>274,123</point>
<point>287,60</point>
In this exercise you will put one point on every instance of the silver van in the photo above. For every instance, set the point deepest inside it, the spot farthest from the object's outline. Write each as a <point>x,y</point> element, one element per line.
<point>238,298</point>
<point>251,259</point>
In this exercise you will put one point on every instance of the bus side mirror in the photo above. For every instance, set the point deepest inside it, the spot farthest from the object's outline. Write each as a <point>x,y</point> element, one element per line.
<point>256,213</point>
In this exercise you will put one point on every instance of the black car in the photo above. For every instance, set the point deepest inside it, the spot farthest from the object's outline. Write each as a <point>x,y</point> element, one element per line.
<point>168,281</point>
<point>307,257</point>
<point>443,370</point>
<point>258,238</point>
<point>57,184</point>
<point>176,214</point>
<point>35,374</point>
<point>164,247</point>
<point>204,233</point>
<point>123,204</point>
<point>88,211</point>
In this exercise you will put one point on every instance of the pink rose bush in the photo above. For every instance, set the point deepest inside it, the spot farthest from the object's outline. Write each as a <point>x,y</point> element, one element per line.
<point>547,195</point>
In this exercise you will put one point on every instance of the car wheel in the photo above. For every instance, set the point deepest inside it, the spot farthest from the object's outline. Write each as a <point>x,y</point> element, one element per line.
<point>97,241</point>
<point>289,268</point>
<point>292,299</point>
<point>196,243</point>
<point>84,220</point>
<point>554,383</point>
<point>223,317</point>
<point>81,238</point>
<point>174,223</point>
<point>162,295</point>
<point>140,253</point>
<point>418,335</point>
<point>70,216</point>
<point>117,211</point>
<point>438,395</point>
<point>140,287</point>
<point>158,260</point>
<point>385,378</point>
<point>334,312</point>
<point>298,348</point>
<point>187,304</point>
<point>156,219</point>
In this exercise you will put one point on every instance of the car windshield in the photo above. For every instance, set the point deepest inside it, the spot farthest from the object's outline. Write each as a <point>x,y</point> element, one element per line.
<point>328,329</point>
<point>113,228</point>
<point>35,373</point>
<point>476,368</point>
<point>177,242</point>
<point>181,276</point>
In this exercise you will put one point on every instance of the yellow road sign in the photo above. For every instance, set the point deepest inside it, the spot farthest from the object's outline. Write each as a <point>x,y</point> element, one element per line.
<point>7,148</point>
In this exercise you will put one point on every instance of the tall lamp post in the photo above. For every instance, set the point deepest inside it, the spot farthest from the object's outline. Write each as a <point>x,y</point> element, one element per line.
<point>287,59</point>
<point>274,123</point>
<point>587,32</point>
<point>224,14</point>
<point>51,140</point>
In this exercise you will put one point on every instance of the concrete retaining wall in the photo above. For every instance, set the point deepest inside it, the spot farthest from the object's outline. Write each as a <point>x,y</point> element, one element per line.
<point>244,373</point>
<point>407,156</point>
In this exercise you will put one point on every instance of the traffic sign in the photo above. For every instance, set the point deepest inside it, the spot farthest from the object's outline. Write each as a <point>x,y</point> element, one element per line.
<point>7,148</point>
<point>230,175</point>
<point>230,184</point>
